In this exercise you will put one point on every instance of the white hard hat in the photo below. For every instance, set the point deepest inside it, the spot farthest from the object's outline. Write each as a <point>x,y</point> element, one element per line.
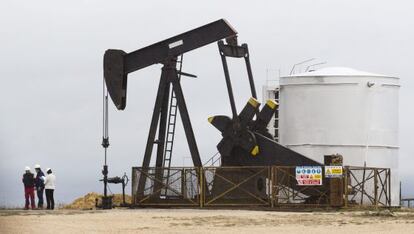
<point>37,166</point>
<point>27,168</point>
<point>48,169</point>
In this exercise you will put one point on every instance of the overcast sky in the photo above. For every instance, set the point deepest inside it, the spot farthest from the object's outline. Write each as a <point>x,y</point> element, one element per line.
<point>51,75</point>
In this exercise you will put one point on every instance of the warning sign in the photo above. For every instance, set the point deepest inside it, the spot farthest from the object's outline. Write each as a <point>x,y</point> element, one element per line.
<point>333,171</point>
<point>309,175</point>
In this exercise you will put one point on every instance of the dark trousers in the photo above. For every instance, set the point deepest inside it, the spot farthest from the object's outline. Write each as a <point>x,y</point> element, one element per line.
<point>39,192</point>
<point>29,196</point>
<point>49,199</point>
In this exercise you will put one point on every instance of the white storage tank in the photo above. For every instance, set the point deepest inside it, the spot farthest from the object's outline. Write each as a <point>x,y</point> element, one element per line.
<point>342,110</point>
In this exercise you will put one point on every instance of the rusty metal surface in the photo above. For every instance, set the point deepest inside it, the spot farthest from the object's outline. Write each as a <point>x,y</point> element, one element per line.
<point>287,192</point>
<point>180,189</point>
<point>368,186</point>
<point>230,186</point>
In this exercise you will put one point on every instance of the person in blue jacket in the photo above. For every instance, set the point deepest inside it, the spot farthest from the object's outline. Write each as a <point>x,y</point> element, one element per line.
<point>40,185</point>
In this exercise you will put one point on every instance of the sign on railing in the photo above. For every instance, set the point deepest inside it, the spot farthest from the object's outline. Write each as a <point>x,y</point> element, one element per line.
<point>308,176</point>
<point>333,172</point>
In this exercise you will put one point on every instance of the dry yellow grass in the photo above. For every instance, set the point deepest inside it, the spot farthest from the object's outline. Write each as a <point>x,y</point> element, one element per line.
<point>88,201</point>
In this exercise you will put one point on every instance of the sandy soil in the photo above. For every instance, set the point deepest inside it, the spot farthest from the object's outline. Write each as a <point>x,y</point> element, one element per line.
<point>204,221</point>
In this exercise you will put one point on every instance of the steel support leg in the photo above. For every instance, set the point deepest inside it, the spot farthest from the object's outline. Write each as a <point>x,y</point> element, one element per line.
<point>152,131</point>
<point>249,71</point>
<point>228,82</point>
<point>188,129</point>
<point>159,170</point>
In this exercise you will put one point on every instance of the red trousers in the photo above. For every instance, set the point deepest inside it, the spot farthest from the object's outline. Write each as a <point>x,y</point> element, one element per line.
<point>29,195</point>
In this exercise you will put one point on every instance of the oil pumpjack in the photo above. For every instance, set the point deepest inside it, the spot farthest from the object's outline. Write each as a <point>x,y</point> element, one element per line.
<point>245,142</point>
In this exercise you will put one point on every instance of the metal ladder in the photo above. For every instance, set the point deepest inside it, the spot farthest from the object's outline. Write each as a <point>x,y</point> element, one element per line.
<point>276,116</point>
<point>172,119</point>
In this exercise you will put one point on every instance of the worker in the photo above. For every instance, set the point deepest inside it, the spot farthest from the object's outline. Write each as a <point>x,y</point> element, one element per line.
<point>50,188</point>
<point>29,185</point>
<point>40,185</point>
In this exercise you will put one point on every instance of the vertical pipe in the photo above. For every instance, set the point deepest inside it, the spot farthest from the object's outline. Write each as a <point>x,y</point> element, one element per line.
<point>105,141</point>
<point>105,173</point>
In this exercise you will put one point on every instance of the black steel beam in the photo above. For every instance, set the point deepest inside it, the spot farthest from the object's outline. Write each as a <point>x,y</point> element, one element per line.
<point>249,71</point>
<point>235,51</point>
<point>180,44</point>
<point>152,131</point>
<point>159,172</point>
<point>228,80</point>
<point>118,64</point>
<point>185,118</point>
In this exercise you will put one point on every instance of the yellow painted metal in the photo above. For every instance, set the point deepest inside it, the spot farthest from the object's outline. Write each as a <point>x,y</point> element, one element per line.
<point>254,102</point>
<point>255,150</point>
<point>272,104</point>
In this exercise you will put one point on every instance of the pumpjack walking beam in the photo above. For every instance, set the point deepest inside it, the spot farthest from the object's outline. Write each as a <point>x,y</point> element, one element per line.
<point>118,64</point>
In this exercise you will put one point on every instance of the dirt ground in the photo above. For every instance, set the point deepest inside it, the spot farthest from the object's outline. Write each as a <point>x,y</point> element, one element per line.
<point>204,221</point>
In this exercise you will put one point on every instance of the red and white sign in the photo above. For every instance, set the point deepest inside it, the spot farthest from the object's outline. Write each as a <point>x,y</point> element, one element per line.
<point>309,175</point>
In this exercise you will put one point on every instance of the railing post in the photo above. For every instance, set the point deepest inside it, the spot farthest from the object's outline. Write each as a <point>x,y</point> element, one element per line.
<point>389,187</point>
<point>346,186</point>
<point>133,187</point>
<point>275,186</point>
<point>376,187</point>
<point>183,183</point>
<point>201,173</point>
<point>363,184</point>
<point>270,176</point>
